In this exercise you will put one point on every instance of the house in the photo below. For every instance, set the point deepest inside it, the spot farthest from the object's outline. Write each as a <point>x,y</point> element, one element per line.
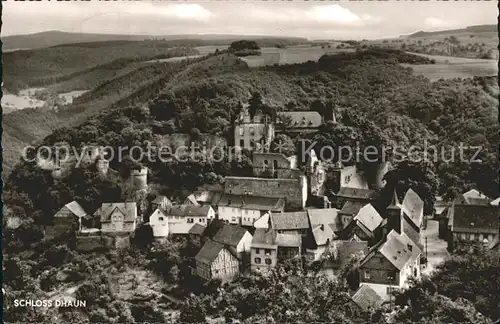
<point>298,121</point>
<point>349,211</point>
<point>473,223</point>
<point>294,190</point>
<point>290,222</point>
<point>367,298</point>
<point>183,217</point>
<point>262,222</point>
<point>69,218</point>
<point>388,264</point>
<point>204,197</point>
<point>474,194</point>
<point>253,131</point>
<point>495,202</point>
<point>353,194</point>
<point>118,217</point>
<point>321,233</point>
<point>289,246</point>
<point>237,238</point>
<point>159,223</point>
<point>160,202</point>
<point>341,176</point>
<point>264,250</point>
<point>196,232</point>
<point>363,226</point>
<point>214,261</point>
<point>245,210</point>
<point>274,165</point>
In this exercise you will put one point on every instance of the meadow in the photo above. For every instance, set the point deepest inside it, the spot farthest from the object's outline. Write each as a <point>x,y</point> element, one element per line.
<point>449,67</point>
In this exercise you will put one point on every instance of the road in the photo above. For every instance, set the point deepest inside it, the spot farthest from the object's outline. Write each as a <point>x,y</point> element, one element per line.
<point>436,247</point>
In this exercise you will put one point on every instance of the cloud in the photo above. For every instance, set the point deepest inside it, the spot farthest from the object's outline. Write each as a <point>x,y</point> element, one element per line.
<point>332,13</point>
<point>433,22</point>
<point>187,11</point>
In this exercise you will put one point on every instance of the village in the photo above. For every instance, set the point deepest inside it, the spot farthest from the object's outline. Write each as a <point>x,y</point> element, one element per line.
<point>313,215</point>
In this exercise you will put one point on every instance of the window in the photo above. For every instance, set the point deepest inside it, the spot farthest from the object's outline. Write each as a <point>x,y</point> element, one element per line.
<point>275,164</point>
<point>257,251</point>
<point>242,143</point>
<point>392,275</point>
<point>269,261</point>
<point>367,275</point>
<point>252,131</point>
<point>415,272</point>
<point>242,131</point>
<point>160,219</point>
<point>258,260</point>
<point>190,220</point>
<point>410,247</point>
<point>472,236</point>
<point>268,252</point>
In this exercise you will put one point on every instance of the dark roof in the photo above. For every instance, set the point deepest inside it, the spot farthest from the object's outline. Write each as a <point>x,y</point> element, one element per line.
<point>343,251</point>
<point>289,221</point>
<point>264,238</point>
<point>252,202</point>
<point>409,230</point>
<point>187,210</point>
<point>367,298</point>
<point>230,235</point>
<point>209,252</point>
<point>357,193</point>
<point>495,243</point>
<point>212,228</point>
<point>204,196</point>
<point>475,219</point>
<point>351,207</point>
<point>197,229</point>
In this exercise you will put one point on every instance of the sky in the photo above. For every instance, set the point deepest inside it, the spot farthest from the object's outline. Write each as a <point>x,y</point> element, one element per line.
<point>311,19</point>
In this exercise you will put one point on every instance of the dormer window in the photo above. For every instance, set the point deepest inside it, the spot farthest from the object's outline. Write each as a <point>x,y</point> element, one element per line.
<point>410,247</point>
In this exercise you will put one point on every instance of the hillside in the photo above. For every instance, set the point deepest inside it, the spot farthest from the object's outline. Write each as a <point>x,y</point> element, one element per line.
<point>54,38</point>
<point>470,30</point>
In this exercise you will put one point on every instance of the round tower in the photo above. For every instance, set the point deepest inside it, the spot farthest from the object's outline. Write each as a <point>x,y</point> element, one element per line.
<point>139,178</point>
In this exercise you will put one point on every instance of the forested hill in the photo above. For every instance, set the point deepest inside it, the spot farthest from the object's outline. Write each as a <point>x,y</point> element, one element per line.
<point>204,96</point>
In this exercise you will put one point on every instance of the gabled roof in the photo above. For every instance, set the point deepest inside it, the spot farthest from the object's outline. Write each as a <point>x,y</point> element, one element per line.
<point>409,230</point>
<point>192,199</point>
<point>478,201</point>
<point>289,221</point>
<point>230,235</point>
<point>351,207</point>
<point>412,246</point>
<point>395,250</point>
<point>288,240</point>
<point>413,207</point>
<point>128,209</point>
<point>209,252</point>
<point>157,213</point>
<point>212,228</point>
<point>473,193</point>
<point>322,234</point>
<point>495,244</point>
<point>495,202</point>
<point>187,210</point>
<point>159,199</point>
<point>301,119</point>
<point>264,238</point>
<point>252,202</point>
<point>475,219</point>
<point>197,229</point>
<point>75,208</point>
<point>367,298</point>
<point>356,193</point>
<point>322,216</point>
<point>369,217</point>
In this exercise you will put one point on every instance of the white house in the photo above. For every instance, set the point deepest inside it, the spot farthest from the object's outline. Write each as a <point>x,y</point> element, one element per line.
<point>182,217</point>
<point>245,210</point>
<point>159,223</point>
